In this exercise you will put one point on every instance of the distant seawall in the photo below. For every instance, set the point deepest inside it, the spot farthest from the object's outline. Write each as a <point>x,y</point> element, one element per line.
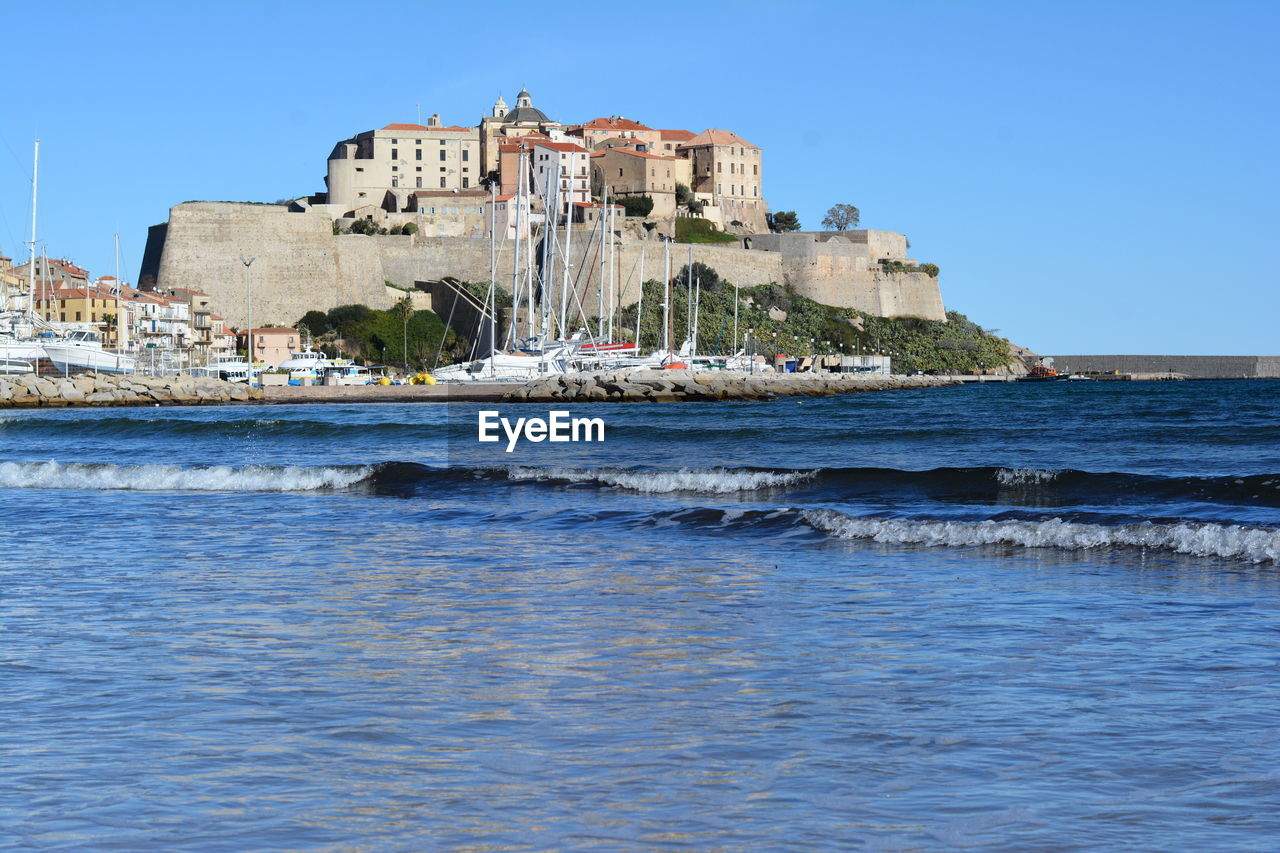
<point>1190,366</point>
<point>300,264</point>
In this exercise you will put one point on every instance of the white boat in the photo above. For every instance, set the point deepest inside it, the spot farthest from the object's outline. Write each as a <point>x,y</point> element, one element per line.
<point>15,366</point>
<point>228,366</point>
<point>308,364</point>
<point>82,350</point>
<point>347,374</point>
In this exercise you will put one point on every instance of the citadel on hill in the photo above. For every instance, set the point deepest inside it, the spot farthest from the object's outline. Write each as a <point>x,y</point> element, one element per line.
<point>414,203</point>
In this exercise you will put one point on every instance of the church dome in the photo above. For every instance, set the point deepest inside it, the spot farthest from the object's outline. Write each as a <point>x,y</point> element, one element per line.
<point>525,111</point>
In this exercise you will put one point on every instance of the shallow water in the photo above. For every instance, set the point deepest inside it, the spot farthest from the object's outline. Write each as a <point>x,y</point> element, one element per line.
<point>1012,618</point>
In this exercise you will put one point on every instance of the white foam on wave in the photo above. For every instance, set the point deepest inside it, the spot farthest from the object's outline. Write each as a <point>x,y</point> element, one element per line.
<point>254,478</point>
<point>714,481</point>
<point>1233,542</point>
<point>1025,476</point>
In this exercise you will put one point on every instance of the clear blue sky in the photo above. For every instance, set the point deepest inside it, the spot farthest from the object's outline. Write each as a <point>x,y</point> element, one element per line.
<point>1090,177</point>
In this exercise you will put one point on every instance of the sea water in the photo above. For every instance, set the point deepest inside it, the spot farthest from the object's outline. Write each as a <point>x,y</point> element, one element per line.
<point>1000,617</point>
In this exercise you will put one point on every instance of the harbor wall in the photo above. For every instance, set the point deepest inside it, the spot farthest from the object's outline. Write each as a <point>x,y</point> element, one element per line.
<point>300,264</point>
<point>1190,366</point>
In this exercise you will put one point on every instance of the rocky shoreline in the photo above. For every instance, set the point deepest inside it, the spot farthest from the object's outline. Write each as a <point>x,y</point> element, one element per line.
<point>92,389</point>
<point>96,389</point>
<point>674,385</point>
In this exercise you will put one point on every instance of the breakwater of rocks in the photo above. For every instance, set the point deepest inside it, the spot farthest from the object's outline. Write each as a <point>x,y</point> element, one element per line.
<point>674,385</point>
<point>95,389</point>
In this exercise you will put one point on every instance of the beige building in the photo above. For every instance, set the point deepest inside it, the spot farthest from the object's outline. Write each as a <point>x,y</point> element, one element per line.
<point>271,345</point>
<point>727,174</point>
<point>616,130</point>
<point>11,283</point>
<point>446,213</point>
<point>564,166</point>
<point>503,125</point>
<point>670,140</point>
<point>627,171</point>
<point>383,167</point>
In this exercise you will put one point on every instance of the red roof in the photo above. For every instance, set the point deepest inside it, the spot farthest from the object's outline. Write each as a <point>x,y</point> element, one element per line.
<point>614,123</point>
<point>562,146</point>
<point>674,135</point>
<point>506,197</point>
<point>717,137</point>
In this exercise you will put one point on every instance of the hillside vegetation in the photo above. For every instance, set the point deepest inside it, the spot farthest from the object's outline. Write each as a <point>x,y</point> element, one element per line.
<point>809,327</point>
<point>371,336</point>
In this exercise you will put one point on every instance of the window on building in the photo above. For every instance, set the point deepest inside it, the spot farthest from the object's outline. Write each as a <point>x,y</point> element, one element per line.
<point>359,168</point>
<point>419,183</point>
<point>77,316</point>
<point>360,195</point>
<point>466,182</point>
<point>442,183</point>
<point>442,153</point>
<point>395,141</point>
<point>395,154</point>
<point>395,168</point>
<point>417,168</point>
<point>719,167</point>
<point>395,182</point>
<point>417,155</point>
<point>755,170</point>
<point>466,155</point>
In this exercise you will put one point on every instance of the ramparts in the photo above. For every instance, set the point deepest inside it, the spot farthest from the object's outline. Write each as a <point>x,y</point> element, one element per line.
<point>299,264</point>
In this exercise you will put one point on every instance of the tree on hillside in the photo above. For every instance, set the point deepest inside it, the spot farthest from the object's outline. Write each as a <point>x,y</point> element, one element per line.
<point>783,220</point>
<point>841,217</point>
<point>404,308</point>
<point>315,322</point>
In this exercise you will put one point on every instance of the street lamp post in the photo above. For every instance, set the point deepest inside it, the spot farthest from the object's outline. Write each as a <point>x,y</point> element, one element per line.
<point>248,317</point>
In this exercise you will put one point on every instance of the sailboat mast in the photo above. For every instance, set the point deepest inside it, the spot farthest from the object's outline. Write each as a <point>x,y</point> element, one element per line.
<point>528,268</point>
<point>568,258</point>
<point>515,252</point>
<point>31,267</point>
<point>604,206</point>
<point>640,301</point>
<point>122,333</point>
<point>688,296</point>
<point>666,299</point>
<point>613,269</point>
<point>492,300</point>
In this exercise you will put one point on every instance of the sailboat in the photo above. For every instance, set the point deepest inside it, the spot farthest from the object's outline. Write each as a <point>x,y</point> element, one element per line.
<point>19,339</point>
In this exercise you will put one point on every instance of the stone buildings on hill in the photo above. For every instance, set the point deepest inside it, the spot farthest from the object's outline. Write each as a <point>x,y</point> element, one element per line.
<point>457,185</point>
<point>375,174</point>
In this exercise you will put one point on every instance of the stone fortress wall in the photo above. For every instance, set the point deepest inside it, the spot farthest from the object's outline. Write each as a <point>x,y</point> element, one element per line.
<point>300,265</point>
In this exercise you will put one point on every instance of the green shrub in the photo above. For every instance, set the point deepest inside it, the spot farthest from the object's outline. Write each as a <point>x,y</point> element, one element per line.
<point>637,205</point>
<point>696,230</point>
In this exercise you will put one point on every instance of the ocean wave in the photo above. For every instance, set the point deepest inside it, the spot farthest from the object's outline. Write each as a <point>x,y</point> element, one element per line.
<point>254,478</point>
<point>1037,487</point>
<point>1233,542</point>
<point>1025,476</point>
<point>713,481</point>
